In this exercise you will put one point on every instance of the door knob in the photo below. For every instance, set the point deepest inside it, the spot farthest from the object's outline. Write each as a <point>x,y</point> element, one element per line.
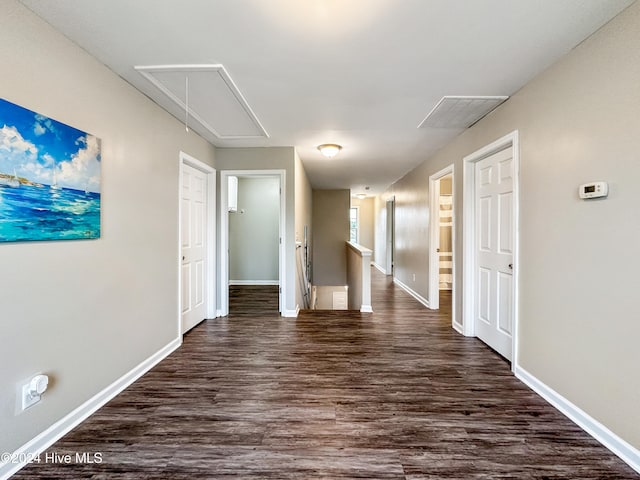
<point>183,257</point>
<point>511,266</point>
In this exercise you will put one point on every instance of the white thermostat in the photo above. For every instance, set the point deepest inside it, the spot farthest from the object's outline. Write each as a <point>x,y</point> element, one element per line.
<point>594,190</point>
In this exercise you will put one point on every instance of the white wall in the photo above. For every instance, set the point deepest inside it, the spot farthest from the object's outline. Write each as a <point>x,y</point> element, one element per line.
<point>579,121</point>
<point>330,234</point>
<point>303,207</point>
<point>254,231</point>
<point>366,222</point>
<point>380,231</point>
<point>87,312</point>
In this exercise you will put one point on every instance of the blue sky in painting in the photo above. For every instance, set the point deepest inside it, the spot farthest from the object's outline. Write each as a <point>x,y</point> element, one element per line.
<point>40,149</point>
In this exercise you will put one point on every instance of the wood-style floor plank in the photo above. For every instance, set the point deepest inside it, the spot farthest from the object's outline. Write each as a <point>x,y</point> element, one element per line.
<point>247,300</point>
<point>396,394</point>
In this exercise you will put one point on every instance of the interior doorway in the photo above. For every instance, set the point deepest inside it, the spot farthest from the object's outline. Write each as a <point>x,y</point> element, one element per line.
<point>491,245</point>
<point>252,241</point>
<point>254,227</point>
<point>442,242</point>
<point>197,242</point>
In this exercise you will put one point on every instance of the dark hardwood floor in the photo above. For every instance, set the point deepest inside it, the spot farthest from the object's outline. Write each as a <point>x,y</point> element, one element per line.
<point>396,394</point>
<point>252,300</point>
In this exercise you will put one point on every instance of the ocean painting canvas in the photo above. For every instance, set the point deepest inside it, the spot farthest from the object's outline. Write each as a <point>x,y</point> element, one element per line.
<point>49,178</point>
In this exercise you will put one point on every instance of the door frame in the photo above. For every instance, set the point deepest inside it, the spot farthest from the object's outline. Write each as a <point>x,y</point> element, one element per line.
<point>390,207</point>
<point>357,209</point>
<point>224,234</point>
<point>434,241</point>
<point>511,140</point>
<point>210,289</point>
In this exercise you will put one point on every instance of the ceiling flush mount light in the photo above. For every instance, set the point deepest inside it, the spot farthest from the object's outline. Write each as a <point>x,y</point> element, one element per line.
<point>329,150</point>
<point>361,196</point>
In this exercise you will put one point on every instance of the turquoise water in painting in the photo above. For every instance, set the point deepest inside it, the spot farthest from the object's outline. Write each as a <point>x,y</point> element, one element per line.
<point>31,213</point>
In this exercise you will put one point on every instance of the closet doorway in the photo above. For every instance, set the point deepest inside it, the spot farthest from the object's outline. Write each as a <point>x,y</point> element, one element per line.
<point>442,241</point>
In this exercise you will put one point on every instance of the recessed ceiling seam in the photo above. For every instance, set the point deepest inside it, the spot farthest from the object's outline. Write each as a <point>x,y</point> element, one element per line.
<point>149,71</point>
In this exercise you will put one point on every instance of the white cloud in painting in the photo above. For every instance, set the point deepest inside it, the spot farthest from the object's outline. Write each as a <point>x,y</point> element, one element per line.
<point>14,149</point>
<point>36,172</point>
<point>82,171</point>
<point>39,129</point>
<point>48,159</point>
<point>12,141</point>
<point>43,124</point>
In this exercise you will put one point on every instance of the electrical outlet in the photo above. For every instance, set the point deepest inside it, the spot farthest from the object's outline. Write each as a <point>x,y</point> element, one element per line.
<point>33,390</point>
<point>414,277</point>
<point>27,398</point>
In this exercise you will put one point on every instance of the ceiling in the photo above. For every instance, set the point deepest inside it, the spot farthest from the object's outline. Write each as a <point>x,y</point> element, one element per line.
<point>360,73</point>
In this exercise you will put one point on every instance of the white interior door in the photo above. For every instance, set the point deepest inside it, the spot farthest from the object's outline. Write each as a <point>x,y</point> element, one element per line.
<point>494,244</point>
<point>194,249</point>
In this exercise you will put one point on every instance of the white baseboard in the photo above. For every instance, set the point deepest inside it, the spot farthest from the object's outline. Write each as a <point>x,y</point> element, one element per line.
<point>291,313</point>
<point>414,294</point>
<point>63,426</point>
<point>254,282</point>
<point>379,267</point>
<point>457,327</point>
<point>366,309</point>
<point>629,454</point>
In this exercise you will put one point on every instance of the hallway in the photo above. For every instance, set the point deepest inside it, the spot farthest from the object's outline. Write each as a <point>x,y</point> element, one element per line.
<point>396,394</point>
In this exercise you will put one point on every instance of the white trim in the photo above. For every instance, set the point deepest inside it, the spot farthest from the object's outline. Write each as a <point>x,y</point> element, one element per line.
<point>186,159</point>
<point>224,236</point>
<point>291,313</point>
<point>48,437</point>
<point>434,239</point>
<point>511,140</point>
<point>411,292</point>
<point>146,72</point>
<point>254,282</point>
<point>366,309</point>
<point>629,454</point>
<point>357,209</point>
<point>390,240</point>
<point>380,268</point>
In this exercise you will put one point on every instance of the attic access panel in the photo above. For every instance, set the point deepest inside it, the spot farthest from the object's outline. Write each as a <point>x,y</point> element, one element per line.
<point>214,101</point>
<point>460,111</point>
